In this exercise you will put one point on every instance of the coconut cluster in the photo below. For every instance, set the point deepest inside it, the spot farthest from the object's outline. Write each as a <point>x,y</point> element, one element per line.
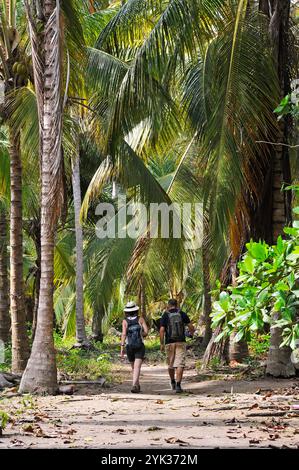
<point>21,71</point>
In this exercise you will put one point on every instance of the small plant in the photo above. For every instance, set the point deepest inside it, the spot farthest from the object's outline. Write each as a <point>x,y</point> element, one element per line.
<point>4,418</point>
<point>28,402</point>
<point>215,363</point>
<point>6,365</point>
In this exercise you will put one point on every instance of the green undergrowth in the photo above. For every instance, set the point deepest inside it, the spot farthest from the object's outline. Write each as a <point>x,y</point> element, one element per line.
<point>6,365</point>
<point>90,364</point>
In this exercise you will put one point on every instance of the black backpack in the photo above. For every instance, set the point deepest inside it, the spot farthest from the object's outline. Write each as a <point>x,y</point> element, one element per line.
<point>134,332</point>
<point>175,327</point>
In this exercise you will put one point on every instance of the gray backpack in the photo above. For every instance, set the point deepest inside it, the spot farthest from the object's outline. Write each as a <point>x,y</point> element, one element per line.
<point>176,327</point>
<point>134,332</point>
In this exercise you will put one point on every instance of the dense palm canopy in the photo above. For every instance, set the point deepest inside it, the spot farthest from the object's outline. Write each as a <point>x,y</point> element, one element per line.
<point>161,101</point>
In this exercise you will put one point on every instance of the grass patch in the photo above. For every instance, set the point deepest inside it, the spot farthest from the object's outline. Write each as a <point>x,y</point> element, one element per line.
<point>259,346</point>
<point>81,364</point>
<point>85,365</point>
<point>152,349</point>
<point>6,365</point>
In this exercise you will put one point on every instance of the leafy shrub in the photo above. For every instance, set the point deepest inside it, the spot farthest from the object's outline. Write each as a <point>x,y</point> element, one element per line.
<point>267,290</point>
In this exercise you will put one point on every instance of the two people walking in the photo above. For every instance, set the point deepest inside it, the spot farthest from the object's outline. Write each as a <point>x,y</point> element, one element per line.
<point>172,340</point>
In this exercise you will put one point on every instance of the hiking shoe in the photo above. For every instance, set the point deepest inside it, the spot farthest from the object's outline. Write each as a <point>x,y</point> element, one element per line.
<point>135,389</point>
<point>173,384</point>
<point>178,388</point>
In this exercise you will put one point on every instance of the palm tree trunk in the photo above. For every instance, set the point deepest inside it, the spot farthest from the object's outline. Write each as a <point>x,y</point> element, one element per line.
<point>279,359</point>
<point>142,301</point>
<point>218,350</point>
<point>237,351</point>
<point>279,363</point>
<point>4,290</point>
<point>20,344</point>
<point>80,322</point>
<point>97,331</point>
<point>37,282</point>
<point>41,373</point>
<point>207,306</point>
<point>279,32</point>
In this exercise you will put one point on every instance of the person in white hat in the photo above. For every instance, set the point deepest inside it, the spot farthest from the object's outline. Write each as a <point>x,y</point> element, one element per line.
<point>134,329</point>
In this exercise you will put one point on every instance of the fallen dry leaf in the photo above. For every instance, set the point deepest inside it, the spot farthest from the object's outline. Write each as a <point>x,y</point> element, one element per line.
<point>120,431</point>
<point>69,431</point>
<point>174,440</point>
<point>16,443</point>
<point>273,437</point>
<point>231,421</point>
<point>254,441</point>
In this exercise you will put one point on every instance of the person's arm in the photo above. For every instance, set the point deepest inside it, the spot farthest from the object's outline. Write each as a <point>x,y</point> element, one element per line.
<point>191,328</point>
<point>144,327</point>
<point>162,335</point>
<point>189,324</point>
<point>123,338</point>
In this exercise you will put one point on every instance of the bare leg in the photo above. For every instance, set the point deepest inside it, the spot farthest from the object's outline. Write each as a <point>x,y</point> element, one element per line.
<point>171,373</point>
<point>136,371</point>
<point>179,374</point>
<point>132,366</point>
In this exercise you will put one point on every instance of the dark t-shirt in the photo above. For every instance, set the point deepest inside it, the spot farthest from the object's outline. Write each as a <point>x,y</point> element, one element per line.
<point>165,319</point>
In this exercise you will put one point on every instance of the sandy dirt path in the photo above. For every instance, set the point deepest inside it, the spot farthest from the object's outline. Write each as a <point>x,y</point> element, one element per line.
<point>213,414</point>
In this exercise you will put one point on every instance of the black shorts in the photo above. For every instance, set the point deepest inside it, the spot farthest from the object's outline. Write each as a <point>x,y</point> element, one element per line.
<point>135,353</point>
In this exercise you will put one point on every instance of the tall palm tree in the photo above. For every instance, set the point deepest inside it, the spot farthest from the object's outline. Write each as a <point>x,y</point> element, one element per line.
<point>13,68</point>
<point>40,373</point>
<point>4,279</point>
<point>4,291</point>
<point>278,15</point>
<point>80,322</point>
<point>44,23</point>
<point>207,297</point>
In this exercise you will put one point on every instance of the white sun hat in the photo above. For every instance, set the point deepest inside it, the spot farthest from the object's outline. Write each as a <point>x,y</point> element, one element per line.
<point>131,307</point>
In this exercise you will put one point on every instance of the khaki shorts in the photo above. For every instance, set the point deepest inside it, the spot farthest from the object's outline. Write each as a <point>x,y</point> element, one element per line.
<point>176,355</point>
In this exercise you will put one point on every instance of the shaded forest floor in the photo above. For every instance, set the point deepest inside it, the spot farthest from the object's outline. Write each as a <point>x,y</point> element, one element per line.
<point>222,408</point>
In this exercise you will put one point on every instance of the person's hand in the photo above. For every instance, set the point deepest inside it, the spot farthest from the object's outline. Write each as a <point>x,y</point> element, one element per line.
<point>162,347</point>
